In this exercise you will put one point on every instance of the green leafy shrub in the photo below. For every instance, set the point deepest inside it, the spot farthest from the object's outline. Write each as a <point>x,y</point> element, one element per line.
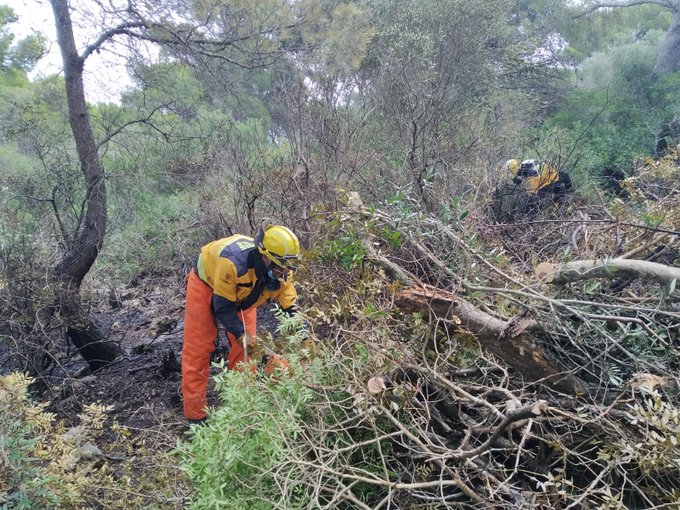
<point>25,482</point>
<point>346,251</point>
<point>160,234</point>
<point>231,459</point>
<point>44,465</point>
<point>617,111</point>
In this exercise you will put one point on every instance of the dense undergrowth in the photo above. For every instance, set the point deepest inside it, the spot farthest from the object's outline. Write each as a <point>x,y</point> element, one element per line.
<point>449,425</point>
<point>435,434</point>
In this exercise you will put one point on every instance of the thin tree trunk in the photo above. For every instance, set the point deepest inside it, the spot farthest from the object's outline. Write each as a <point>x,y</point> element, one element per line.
<point>72,268</point>
<point>668,59</point>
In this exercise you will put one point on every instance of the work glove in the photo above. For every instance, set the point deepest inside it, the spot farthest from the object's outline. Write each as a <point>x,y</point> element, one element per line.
<point>247,341</point>
<point>221,352</point>
<point>250,344</point>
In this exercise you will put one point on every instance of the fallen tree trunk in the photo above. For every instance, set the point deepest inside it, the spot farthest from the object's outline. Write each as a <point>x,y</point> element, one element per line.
<point>559,274</point>
<point>505,339</point>
<point>496,336</point>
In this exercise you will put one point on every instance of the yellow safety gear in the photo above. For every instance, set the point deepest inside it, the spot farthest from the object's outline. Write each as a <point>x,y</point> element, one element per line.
<point>281,246</point>
<point>532,174</point>
<point>512,166</point>
<point>547,175</point>
<point>223,266</point>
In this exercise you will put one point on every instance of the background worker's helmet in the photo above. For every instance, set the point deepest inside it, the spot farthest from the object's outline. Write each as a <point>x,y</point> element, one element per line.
<point>280,245</point>
<point>512,166</point>
<point>530,168</point>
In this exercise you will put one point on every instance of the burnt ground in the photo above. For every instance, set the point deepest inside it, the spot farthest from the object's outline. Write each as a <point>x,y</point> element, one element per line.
<point>144,385</point>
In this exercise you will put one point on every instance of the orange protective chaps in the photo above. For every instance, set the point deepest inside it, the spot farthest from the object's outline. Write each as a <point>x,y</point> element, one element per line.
<point>200,333</point>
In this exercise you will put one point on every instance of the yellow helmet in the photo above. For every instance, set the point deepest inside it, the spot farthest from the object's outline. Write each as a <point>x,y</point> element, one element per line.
<point>512,166</point>
<point>281,246</point>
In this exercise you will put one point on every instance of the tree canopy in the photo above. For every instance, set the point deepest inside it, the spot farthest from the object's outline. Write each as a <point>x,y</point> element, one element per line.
<point>487,198</point>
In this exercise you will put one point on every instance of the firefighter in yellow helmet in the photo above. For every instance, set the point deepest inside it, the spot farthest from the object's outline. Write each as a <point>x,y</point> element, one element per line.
<point>539,178</point>
<point>230,279</point>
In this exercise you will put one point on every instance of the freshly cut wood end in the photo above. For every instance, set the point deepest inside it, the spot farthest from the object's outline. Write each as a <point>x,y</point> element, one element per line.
<point>376,385</point>
<point>539,408</point>
<point>647,382</point>
<point>545,272</point>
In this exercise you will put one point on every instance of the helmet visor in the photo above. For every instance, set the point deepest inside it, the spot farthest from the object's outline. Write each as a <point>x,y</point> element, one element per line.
<point>290,262</point>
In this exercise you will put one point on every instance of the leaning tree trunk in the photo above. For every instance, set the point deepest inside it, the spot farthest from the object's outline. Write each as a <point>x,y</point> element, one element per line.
<point>72,268</point>
<point>668,59</point>
<point>506,340</point>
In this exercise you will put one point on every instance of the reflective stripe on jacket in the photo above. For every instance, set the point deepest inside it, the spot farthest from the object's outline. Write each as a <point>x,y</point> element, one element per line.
<point>226,266</point>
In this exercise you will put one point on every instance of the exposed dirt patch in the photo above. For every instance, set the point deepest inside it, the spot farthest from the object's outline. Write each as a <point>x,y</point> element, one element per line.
<point>144,385</point>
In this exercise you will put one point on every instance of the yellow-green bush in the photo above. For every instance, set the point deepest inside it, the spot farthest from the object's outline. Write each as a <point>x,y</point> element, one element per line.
<point>45,466</point>
<point>25,480</point>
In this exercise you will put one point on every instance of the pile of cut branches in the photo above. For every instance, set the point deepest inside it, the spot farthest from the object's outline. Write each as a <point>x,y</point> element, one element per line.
<point>461,381</point>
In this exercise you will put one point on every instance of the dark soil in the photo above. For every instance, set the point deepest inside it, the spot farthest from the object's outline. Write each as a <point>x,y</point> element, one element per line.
<point>144,385</point>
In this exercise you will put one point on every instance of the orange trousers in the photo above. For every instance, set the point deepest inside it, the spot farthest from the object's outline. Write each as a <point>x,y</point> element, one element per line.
<point>200,333</point>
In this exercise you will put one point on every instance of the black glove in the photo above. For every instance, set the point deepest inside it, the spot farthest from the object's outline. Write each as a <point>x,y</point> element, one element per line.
<point>221,352</point>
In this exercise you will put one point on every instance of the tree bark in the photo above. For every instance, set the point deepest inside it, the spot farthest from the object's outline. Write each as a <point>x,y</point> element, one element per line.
<point>75,264</point>
<point>577,270</point>
<point>494,335</point>
<point>668,59</point>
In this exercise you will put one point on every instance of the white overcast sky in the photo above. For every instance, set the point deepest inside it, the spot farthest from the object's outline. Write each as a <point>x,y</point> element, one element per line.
<point>105,74</point>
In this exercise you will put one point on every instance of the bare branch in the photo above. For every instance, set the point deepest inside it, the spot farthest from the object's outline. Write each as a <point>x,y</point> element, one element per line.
<point>146,120</point>
<point>123,29</point>
<point>587,269</point>
<point>627,3</point>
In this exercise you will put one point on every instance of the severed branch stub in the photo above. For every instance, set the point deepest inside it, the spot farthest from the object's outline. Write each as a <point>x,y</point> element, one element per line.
<point>378,384</point>
<point>530,411</point>
<point>577,270</point>
<point>505,340</point>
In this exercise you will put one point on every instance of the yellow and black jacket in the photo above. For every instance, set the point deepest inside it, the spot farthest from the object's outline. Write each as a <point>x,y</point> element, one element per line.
<point>232,267</point>
<point>540,180</point>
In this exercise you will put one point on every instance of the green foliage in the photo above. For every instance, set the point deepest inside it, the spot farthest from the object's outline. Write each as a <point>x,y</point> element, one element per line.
<point>346,251</point>
<point>272,442</point>
<point>21,56</point>
<point>393,237</point>
<point>233,459</point>
<point>617,111</point>
<point>25,482</point>
<point>608,28</point>
<point>154,238</point>
<point>17,222</point>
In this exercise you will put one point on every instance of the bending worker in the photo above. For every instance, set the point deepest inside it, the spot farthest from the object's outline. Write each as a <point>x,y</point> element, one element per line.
<point>230,279</point>
<point>539,178</point>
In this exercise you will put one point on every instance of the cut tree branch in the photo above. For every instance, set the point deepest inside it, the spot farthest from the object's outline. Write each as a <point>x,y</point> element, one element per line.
<point>626,3</point>
<point>577,270</point>
<point>493,334</point>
